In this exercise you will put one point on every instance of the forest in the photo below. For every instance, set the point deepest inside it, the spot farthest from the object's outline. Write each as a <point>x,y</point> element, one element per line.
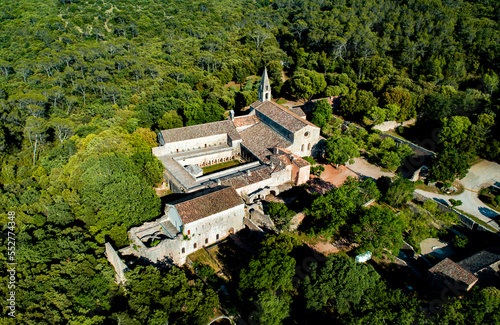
<point>86,85</point>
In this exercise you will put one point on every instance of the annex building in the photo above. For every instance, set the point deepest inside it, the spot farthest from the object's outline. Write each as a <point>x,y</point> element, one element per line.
<point>266,147</point>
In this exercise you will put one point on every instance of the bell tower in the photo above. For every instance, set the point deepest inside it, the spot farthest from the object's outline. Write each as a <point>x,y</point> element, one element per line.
<point>264,88</point>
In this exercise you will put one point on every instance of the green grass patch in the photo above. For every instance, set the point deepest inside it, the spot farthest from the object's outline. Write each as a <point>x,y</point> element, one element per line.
<point>281,101</point>
<point>477,220</point>
<point>221,166</point>
<point>201,256</point>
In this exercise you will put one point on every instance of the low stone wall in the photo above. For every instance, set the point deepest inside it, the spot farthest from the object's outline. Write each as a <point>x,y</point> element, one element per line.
<point>466,221</point>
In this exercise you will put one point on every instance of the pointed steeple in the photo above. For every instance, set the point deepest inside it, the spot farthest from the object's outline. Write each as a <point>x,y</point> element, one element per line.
<point>264,87</point>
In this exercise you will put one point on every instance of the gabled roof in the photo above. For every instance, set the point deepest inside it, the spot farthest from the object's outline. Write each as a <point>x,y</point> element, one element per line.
<point>260,140</point>
<point>282,116</point>
<point>449,269</point>
<point>201,131</point>
<point>481,260</point>
<point>206,203</point>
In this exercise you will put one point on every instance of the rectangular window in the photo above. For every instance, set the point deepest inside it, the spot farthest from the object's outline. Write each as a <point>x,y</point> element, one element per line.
<point>217,237</point>
<point>194,246</point>
<point>206,240</point>
<point>183,250</point>
<point>189,232</point>
<point>302,148</point>
<point>308,146</point>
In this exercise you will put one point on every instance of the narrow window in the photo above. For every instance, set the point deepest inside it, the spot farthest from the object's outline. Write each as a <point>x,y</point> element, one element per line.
<point>205,145</point>
<point>183,250</point>
<point>308,146</point>
<point>302,148</point>
<point>217,237</point>
<point>189,232</point>
<point>194,246</point>
<point>206,240</point>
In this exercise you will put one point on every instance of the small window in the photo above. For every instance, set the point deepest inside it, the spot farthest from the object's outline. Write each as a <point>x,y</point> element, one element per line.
<point>206,240</point>
<point>302,148</point>
<point>183,250</point>
<point>308,146</point>
<point>177,149</point>
<point>194,246</point>
<point>306,134</point>
<point>217,237</point>
<point>267,87</point>
<point>205,145</point>
<point>189,232</point>
<point>267,96</point>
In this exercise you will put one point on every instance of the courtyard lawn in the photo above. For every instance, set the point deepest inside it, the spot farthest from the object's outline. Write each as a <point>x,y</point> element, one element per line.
<point>201,256</point>
<point>221,166</point>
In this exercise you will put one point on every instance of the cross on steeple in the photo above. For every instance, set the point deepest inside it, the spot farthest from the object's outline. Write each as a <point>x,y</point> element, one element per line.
<point>264,87</point>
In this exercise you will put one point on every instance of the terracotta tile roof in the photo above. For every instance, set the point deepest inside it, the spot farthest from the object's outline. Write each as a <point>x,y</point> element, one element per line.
<point>481,260</point>
<point>255,104</point>
<point>200,131</point>
<point>246,120</point>
<point>260,140</point>
<point>284,117</point>
<point>243,179</point>
<point>449,269</point>
<point>206,203</point>
<point>291,158</point>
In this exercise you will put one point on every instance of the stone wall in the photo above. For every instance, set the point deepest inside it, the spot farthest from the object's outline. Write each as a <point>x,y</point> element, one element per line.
<point>118,265</point>
<point>304,145</point>
<point>192,144</point>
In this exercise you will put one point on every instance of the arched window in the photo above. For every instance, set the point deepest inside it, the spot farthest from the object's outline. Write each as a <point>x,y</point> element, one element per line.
<point>206,240</point>
<point>194,246</point>
<point>183,250</point>
<point>302,148</point>
<point>308,146</point>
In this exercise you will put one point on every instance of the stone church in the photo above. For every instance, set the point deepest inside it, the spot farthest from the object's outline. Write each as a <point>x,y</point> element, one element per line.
<point>268,143</point>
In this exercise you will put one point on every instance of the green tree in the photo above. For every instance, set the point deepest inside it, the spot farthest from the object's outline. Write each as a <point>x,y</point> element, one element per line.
<point>170,120</point>
<point>322,113</point>
<point>340,150</point>
<point>449,165</point>
<point>400,191</point>
<point>338,285</point>
<point>379,229</point>
<point>306,83</point>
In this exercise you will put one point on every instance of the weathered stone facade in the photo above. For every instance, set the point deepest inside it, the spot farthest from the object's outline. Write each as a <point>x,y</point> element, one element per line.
<point>200,219</point>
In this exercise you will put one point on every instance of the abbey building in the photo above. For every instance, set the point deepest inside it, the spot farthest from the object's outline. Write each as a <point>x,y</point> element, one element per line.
<point>263,151</point>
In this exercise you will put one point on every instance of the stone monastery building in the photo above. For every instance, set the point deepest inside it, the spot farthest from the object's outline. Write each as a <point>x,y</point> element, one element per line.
<point>268,143</point>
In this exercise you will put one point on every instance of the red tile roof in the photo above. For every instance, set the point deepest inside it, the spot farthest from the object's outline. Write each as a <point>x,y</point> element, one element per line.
<point>206,203</point>
<point>449,269</point>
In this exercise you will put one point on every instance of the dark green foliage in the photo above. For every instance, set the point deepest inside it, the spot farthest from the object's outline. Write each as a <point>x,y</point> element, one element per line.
<point>340,150</point>
<point>449,165</point>
<point>322,113</point>
<point>379,229</point>
<point>338,284</point>
<point>280,214</point>
<point>171,296</point>
<point>400,191</point>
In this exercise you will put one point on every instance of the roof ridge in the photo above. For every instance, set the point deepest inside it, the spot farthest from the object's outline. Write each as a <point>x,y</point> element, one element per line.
<point>200,195</point>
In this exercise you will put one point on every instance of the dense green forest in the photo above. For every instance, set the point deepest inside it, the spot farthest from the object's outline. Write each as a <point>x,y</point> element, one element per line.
<point>85,86</point>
